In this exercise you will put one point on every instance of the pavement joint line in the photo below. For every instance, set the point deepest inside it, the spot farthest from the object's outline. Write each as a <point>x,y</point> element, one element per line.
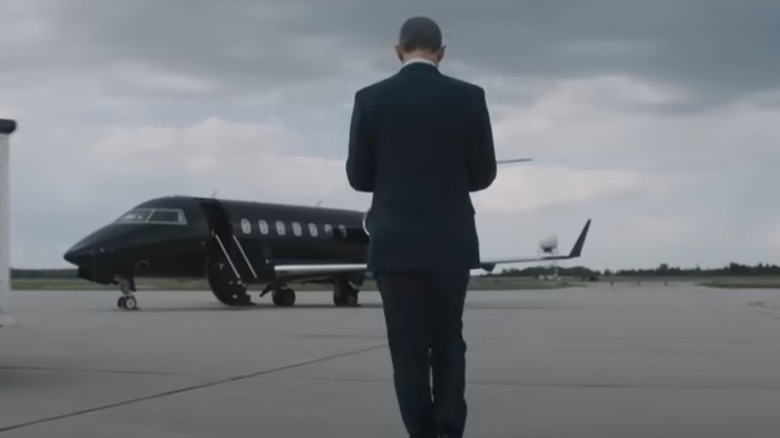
<point>87,370</point>
<point>764,308</point>
<point>584,385</point>
<point>189,388</point>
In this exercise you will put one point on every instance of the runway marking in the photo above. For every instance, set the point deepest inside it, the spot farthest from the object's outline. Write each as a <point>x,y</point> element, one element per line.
<point>190,388</point>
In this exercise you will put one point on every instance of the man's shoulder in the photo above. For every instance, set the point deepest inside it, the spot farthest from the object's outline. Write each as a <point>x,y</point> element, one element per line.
<point>465,86</point>
<point>374,88</point>
<point>388,84</point>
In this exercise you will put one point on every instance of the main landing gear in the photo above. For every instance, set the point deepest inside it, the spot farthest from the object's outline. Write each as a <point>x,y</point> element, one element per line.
<point>127,301</point>
<point>281,295</point>
<point>345,294</point>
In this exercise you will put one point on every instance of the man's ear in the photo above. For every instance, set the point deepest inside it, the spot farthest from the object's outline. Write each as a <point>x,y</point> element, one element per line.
<point>399,51</point>
<point>440,54</point>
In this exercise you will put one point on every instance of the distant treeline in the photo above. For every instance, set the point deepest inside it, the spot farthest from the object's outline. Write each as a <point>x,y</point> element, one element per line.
<point>663,270</point>
<point>43,273</point>
<point>539,271</point>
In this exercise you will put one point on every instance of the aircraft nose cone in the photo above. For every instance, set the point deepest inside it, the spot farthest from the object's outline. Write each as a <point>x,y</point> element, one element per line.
<point>75,256</point>
<point>80,253</point>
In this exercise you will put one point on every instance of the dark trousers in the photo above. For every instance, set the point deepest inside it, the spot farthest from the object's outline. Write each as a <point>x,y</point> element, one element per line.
<point>424,318</point>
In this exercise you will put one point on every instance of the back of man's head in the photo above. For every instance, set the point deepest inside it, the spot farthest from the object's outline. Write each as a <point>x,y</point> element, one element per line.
<point>420,34</point>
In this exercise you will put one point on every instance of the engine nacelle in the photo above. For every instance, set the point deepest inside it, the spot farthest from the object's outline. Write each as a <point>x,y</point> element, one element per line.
<point>366,222</point>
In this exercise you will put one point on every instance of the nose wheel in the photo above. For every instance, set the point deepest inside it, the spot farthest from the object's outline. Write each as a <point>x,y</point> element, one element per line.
<point>127,301</point>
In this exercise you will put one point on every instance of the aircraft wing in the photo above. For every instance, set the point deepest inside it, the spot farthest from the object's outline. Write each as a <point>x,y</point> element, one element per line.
<point>488,265</point>
<point>513,160</point>
<point>319,269</point>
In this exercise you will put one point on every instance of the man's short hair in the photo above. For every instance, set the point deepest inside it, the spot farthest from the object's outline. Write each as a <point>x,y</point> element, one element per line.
<point>420,33</point>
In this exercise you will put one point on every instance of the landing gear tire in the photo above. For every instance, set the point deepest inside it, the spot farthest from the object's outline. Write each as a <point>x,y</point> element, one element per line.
<point>344,294</point>
<point>284,297</point>
<point>346,300</point>
<point>127,303</point>
<point>130,303</point>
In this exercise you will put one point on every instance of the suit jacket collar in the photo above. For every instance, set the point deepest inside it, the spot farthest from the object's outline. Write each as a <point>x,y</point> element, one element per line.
<point>419,66</point>
<point>420,60</point>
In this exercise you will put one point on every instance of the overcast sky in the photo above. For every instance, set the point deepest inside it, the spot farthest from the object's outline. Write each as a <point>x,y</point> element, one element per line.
<point>654,118</point>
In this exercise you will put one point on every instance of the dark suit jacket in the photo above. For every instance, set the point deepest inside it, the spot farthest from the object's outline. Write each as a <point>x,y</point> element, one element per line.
<point>421,142</point>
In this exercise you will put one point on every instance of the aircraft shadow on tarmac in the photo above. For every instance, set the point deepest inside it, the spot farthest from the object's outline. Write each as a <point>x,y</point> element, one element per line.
<point>324,306</point>
<point>254,308</point>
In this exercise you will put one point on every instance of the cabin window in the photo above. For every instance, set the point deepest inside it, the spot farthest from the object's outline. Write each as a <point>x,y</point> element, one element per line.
<point>263,225</point>
<point>313,230</point>
<point>343,230</point>
<point>280,228</point>
<point>246,226</point>
<point>328,230</point>
<point>297,228</point>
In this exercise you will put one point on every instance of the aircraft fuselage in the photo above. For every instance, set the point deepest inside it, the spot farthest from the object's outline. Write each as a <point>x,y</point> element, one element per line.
<point>181,237</point>
<point>235,244</point>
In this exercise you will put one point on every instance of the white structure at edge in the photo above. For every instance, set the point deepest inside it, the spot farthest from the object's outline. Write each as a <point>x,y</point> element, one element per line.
<point>6,317</point>
<point>549,245</point>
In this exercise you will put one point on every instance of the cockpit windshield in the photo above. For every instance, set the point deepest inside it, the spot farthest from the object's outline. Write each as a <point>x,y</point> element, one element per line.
<point>136,216</point>
<point>171,216</point>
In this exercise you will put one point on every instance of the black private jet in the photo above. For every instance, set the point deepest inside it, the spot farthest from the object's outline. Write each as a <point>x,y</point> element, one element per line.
<point>235,244</point>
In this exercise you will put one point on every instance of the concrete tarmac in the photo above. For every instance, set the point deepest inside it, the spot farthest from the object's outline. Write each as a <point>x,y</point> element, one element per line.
<point>629,361</point>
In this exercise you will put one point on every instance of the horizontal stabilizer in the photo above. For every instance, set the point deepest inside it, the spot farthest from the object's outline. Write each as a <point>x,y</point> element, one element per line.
<point>575,252</point>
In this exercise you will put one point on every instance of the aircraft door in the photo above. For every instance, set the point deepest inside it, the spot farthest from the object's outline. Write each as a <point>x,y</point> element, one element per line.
<point>226,267</point>
<point>223,244</point>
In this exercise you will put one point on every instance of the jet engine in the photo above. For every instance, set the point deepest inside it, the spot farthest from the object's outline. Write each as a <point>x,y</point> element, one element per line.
<point>365,222</point>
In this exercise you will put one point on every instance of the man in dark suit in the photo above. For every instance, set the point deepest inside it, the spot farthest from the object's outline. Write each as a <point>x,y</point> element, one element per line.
<point>421,141</point>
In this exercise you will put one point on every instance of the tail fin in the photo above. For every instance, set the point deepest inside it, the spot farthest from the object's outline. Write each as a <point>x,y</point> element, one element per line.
<point>576,250</point>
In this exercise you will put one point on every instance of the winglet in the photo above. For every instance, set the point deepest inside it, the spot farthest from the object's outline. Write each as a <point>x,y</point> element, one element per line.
<point>576,250</point>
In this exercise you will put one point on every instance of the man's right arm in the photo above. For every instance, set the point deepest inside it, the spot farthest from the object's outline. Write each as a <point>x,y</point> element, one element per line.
<point>361,165</point>
<point>481,151</point>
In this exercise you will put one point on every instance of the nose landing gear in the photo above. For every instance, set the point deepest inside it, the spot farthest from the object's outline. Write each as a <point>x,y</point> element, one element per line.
<point>282,295</point>
<point>127,301</point>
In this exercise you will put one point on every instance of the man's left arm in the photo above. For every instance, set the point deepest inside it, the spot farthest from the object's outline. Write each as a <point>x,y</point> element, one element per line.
<point>481,151</point>
<point>361,159</point>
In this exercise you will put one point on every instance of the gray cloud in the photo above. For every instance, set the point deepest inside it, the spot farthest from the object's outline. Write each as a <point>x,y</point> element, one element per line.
<point>717,49</point>
<point>655,118</point>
